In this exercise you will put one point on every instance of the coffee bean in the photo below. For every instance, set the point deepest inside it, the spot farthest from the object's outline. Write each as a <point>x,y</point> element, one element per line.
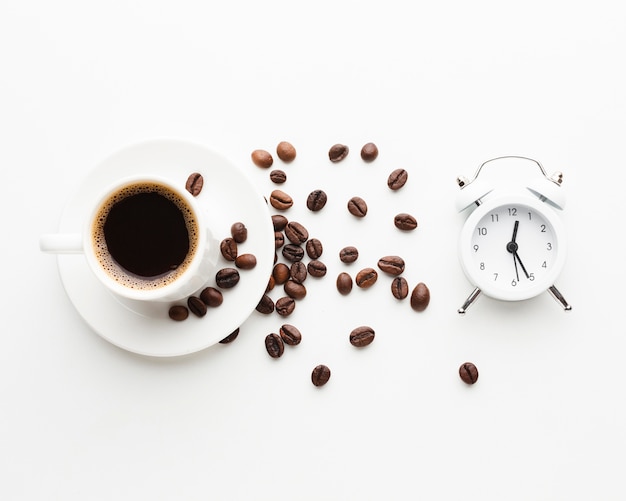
<point>178,312</point>
<point>279,239</point>
<point>316,200</point>
<point>227,278</point>
<point>294,289</point>
<point>366,278</point>
<point>239,232</point>
<point>196,306</point>
<point>357,207</point>
<point>420,297</point>
<point>394,265</point>
<point>270,284</point>
<point>348,254</point>
<point>194,183</point>
<point>274,345</point>
<point>280,200</point>
<point>278,176</point>
<point>344,283</point>
<point>468,373</point>
<point>228,248</point>
<point>338,152</point>
<point>290,334</point>
<point>285,151</point>
<point>296,233</point>
<point>369,152</point>
<point>265,305</point>
<point>397,179</point>
<point>293,252</point>
<point>281,273</point>
<point>285,306</point>
<point>298,272</point>
<point>245,261</point>
<point>316,268</point>
<point>405,222</point>
<point>211,297</point>
<point>231,337</point>
<point>262,158</point>
<point>279,221</point>
<point>314,248</point>
<point>399,288</point>
<point>362,336</point>
<point>320,375</point>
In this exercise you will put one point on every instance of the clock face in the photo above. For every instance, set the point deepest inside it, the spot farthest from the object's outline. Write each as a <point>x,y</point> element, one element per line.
<point>512,250</point>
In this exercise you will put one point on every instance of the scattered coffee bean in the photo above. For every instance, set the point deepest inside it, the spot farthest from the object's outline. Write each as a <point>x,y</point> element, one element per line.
<point>294,289</point>
<point>196,306</point>
<point>279,239</point>
<point>285,306</point>
<point>270,284</point>
<point>245,261</point>
<point>420,297</point>
<point>369,152</point>
<point>348,254</point>
<point>285,151</point>
<point>366,278</point>
<point>281,273</point>
<point>280,200</point>
<point>262,158</point>
<point>468,373</point>
<point>239,232</point>
<point>194,183</point>
<point>314,248</point>
<point>357,207</point>
<point>362,336</point>
<point>290,334</point>
<point>399,288</point>
<point>316,268</point>
<point>228,248</point>
<point>278,176</point>
<point>344,283</point>
<point>265,305</point>
<point>231,337</point>
<point>279,221</point>
<point>293,252</point>
<point>405,222</point>
<point>211,297</point>
<point>298,272</point>
<point>393,265</point>
<point>320,375</point>
<point>296,233</point>
<point>338,152</point>
<point>227,278</point>
<point>397,179</point>
<point>274,345</point>
<point>178,312</point>
<point>316,200</point>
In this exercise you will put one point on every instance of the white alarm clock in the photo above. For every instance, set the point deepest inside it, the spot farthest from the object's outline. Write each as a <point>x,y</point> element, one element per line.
<point>512,246</point>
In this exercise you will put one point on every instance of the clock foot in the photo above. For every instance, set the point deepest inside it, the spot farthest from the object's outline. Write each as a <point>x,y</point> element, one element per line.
<point>554,292</point>
<point>469,301</point>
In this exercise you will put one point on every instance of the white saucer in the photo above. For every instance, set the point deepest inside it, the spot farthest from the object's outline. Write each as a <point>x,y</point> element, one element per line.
<point>228,195</point>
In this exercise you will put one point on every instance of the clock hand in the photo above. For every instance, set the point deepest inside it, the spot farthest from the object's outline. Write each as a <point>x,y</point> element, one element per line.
<point>516,256</point>
<point>515,226</point>
<point>515,263</point>
<point>512,248</point>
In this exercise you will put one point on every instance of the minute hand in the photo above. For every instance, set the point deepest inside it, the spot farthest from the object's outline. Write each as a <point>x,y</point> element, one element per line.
<point>516,256</point>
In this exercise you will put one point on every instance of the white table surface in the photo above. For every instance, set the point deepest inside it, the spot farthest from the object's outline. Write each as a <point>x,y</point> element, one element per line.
<point>439,87</point>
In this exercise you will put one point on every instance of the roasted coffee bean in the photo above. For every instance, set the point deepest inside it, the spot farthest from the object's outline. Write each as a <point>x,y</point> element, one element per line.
<point>394,265</point>
<point>286,151</point>
<point>231,337</point>
<point>290,334</point>
<point>245,261</point>
<point>265,305</point>
<point>196,306</point>
<point>239,232</point>
<point>298,272</point>
<point>316,268</point>
<point>274,345</point>
<point>294,289</point>
<point>227,278</point>
<point>228,248</point>
<point>366,278</point>
<point>348,254</point>
<point>397,179</point>
<point>279,221</point>
<point>279,239</point>
<point>405,222</point>
<point>194,183</point>
<point>262,158</point>
<point>338,152</point>
<point>320,375</point>
<point>178,312</point>
<point>314,248</point>
<point>316,200</point>
<point>362,336</point>
<point>211,297</point>
<point>399,288</point>
<point>280,200</point>
<point>296,233</point>
<point>420,297</point>
<point>468,373</point>
<point>293,252</point>
<point>357,207</point>
<point>344,283</point>
<point>281,273</point>
<point>369,152</point>
<point>270,284</point>
<point>278,176</point>
<point>285,306</point>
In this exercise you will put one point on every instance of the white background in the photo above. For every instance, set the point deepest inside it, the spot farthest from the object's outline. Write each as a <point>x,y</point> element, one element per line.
<point>440,87</point>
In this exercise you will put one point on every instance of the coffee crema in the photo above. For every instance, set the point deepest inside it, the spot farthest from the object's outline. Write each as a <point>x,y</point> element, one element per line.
<point>145,235</point>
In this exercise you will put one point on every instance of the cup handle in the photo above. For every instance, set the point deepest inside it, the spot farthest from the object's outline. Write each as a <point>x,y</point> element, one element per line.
<point>61,243</point>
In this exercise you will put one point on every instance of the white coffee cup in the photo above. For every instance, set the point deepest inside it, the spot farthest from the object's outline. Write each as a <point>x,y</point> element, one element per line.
<point>162,282</point>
